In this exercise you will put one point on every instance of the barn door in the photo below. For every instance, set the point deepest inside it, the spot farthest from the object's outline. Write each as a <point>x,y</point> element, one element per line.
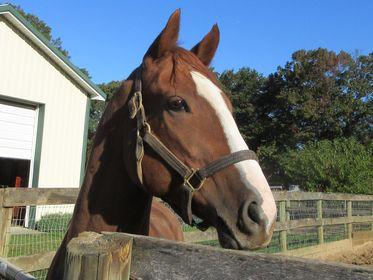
<point>17,126</point>
<point>17,130</point>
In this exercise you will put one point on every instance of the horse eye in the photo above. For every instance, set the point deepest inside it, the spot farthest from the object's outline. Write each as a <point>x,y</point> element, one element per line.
<point>177,104</point>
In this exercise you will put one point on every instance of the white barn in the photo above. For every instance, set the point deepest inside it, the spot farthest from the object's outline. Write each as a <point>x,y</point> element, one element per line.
<point>44,109</point>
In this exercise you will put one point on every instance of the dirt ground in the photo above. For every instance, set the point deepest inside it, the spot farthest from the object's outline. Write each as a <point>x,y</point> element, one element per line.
<point>359,255</point>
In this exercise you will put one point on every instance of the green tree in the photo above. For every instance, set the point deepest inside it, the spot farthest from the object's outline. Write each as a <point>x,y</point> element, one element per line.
<point>319,95</point>
<point>340,165</point>
<point>98,107</point>
<point>244,88</point>
<point>43,28</point>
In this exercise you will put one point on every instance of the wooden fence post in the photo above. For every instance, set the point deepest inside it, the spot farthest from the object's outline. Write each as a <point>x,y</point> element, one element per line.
<point>349,216</point>
<point>371,224</point>
<point>320,229</point>
<point>5,223</point>
<point>96,256</point>
<point>283,233</point>
<point>288,205</point>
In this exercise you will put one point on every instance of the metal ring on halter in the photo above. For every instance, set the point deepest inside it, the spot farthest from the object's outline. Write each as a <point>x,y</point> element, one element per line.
<point>190,176</point>
<point>147,127</point>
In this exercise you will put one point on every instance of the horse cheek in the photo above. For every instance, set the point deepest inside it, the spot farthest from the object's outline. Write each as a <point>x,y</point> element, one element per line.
<point>157,179</point>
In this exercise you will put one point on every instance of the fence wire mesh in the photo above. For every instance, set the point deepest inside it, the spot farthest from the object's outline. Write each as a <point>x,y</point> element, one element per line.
<point>302,237</point>
<point>37,229</point>
<point>362,208</point>
<point>362,227</point>
<point>304,209</point>
<point>334,208</point>
<point>309,236</point>
<point>335,233</point>
<point>40,274</point>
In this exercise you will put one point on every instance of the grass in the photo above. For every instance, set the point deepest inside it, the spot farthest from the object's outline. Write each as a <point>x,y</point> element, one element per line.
<point>188,228</point>
<point>28,244</point>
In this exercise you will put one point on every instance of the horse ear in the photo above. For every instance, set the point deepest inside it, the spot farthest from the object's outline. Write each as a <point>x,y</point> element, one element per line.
<point>167,39</point>
<point>206,48</point>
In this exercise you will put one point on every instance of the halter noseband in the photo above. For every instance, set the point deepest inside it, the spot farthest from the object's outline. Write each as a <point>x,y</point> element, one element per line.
<point>193,179</point>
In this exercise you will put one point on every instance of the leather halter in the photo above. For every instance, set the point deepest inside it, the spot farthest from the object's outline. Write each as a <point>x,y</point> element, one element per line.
<point>193,179</point>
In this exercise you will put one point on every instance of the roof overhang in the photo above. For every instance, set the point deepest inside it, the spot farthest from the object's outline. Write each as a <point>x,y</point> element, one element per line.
<point>14,17</point>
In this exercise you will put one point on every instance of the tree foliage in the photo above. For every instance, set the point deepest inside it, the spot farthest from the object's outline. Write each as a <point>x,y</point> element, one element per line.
<point>245,87</point>
<point>44,29</point>
<point>341,165</point>
<point>98,107</point>
<point>318,95</point>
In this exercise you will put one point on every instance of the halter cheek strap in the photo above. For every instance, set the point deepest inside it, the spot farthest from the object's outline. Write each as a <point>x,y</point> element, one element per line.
<point>192,179</point>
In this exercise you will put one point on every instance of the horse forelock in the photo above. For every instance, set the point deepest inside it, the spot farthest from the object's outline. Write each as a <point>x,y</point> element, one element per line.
<point>179,64</point>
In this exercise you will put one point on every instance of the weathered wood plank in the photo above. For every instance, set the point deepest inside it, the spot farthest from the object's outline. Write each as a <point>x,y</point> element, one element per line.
<point>279,196</point>
<point>320,229</point>
<point>38,196</point>
<point>161,259</point>
<point>5,223</point>
<point>93,256</point>
<point>283,232</point>
<point>33,262</point>
<point>10,271</point>
<point>349,216</point>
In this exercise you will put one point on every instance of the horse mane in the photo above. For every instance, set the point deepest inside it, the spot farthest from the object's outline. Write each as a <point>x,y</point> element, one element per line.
<point>183,56</point>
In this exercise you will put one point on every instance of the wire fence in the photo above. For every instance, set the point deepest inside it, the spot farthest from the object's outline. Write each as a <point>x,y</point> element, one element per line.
<point>37,229</point>
<point>302,237</point>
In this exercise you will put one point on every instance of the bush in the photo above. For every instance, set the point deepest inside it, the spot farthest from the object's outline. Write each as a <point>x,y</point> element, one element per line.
<point>54,222</point>
<point>342,165</point>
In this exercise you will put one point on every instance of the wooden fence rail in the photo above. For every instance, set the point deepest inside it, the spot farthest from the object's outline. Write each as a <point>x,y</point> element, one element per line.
<point>161,259</point>
<point>11,197</point>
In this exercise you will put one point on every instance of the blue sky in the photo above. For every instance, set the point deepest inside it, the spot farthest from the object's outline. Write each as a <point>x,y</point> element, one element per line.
<point>109,38</point>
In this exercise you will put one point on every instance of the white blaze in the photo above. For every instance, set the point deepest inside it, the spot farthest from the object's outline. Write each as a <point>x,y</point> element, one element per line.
<point>250,172</point>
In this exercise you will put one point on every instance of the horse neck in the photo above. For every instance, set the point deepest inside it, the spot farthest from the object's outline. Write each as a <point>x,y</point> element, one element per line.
<point>108,199</point>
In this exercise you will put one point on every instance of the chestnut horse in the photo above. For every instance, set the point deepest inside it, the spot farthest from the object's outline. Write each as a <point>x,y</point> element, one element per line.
<point>169,132</point>
<point>164,223</point>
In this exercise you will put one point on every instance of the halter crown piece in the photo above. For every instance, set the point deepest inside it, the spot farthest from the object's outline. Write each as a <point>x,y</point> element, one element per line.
<point>192,179</point>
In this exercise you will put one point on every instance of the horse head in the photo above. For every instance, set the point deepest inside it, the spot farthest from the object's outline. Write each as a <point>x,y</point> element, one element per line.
<point>178,109</point>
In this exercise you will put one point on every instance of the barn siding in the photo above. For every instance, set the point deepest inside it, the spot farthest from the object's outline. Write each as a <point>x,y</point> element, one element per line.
<point>26,74</point>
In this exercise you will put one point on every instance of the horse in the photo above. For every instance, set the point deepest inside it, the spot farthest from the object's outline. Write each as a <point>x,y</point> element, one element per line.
<point>163,223</point>
<point>169,132</point>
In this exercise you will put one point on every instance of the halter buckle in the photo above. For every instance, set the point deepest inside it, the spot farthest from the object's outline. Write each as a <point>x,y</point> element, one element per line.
<point>192,177</point>
<point>135,104</point>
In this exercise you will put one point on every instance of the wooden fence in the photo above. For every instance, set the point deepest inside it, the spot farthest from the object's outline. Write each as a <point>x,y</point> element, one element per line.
<point>89,257</point>
<point>287,220</point>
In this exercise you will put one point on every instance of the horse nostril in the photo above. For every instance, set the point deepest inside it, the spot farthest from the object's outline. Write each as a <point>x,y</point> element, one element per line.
<point>254,212</point>
<point>251,218</point>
